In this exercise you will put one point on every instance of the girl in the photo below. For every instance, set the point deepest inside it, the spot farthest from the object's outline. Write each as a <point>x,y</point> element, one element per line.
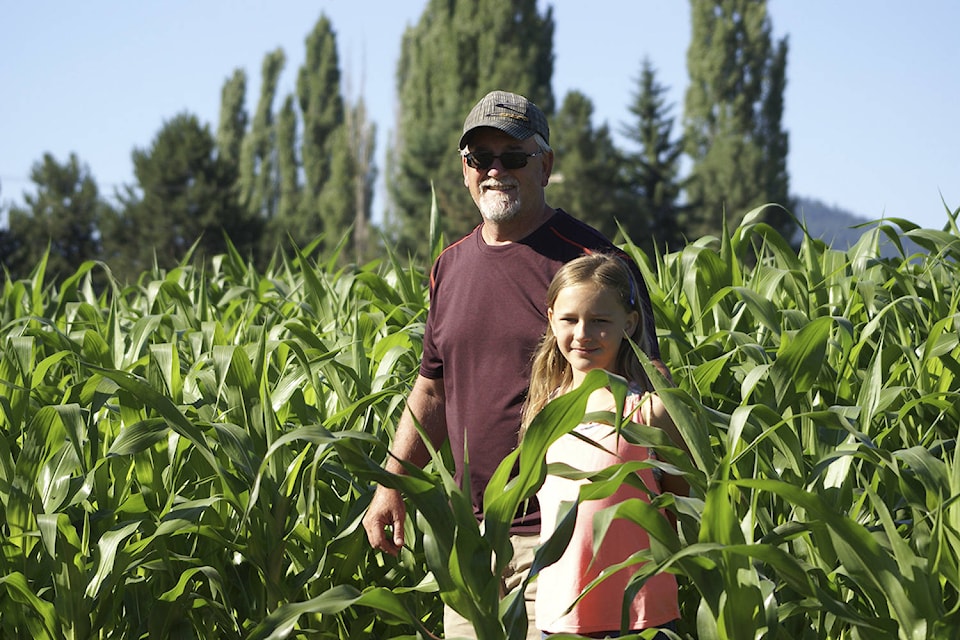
<point>592,310</point>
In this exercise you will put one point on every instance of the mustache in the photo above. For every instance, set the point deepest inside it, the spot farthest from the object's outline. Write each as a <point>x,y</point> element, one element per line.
<point>497,183</point>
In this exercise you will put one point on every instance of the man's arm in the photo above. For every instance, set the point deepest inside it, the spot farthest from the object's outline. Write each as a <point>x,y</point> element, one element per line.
<point>426,406</point>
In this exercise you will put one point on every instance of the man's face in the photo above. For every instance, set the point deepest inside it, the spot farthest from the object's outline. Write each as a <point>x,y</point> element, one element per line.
<point>503,194</point>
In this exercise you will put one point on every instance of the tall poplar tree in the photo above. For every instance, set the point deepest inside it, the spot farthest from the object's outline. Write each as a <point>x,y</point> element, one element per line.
<point>586,178</point>
<point>233,117</point>
<point>285,222</point>
<point>259,190</point>
<point>653,169</point>
<point>457,52</point>
<point>326,205</point>
<point>288,168</point>
<point>361,134</point>
<point>336,204</point>
<point>231,130</point>
<point>732,117</point>
<point>776,144</point>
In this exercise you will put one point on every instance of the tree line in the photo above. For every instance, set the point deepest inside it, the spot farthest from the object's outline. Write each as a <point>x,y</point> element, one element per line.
<point>303,174</point>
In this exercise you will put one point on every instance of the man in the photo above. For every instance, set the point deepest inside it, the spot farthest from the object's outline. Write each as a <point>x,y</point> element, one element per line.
<point>487,314</point>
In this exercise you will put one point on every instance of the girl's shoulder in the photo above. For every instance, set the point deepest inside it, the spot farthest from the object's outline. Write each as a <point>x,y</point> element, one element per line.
<point>641,404</point>
<point>636,389</point>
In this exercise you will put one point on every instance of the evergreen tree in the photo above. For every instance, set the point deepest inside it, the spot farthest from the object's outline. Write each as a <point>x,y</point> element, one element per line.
<point>652,171</point>
<point>8,246</point>
<point>259,190</point>
<point>188,194</point>
<point>63,216</point>
<point>733,111</point>
<point>326,206</point>
<point>7,243</point>
<point>586,178</point>
<point>455,54</point>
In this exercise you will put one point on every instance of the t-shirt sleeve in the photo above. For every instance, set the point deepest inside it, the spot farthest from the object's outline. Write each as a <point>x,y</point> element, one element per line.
<point>431,363</point>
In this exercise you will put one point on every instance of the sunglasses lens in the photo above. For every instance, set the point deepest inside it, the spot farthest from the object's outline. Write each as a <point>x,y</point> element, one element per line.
<point>513,159</point>
<point>481,161</point>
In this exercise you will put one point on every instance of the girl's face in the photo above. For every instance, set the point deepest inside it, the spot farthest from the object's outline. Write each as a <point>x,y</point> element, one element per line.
<point>590,323</point>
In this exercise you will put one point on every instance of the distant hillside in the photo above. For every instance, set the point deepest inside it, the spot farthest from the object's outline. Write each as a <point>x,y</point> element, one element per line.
<point>831,224</point>
<point>836,226</point>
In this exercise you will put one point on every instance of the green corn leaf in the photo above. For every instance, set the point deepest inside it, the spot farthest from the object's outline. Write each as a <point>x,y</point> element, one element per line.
<point>108,546</point>
<point>41,616</point>
<point>280,623</point>
<point>862,558</point>
<point>139,437</point>
<point>162,405</point>
<point>800,359</point>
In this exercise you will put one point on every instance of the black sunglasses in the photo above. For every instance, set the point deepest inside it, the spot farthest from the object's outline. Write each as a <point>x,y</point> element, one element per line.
<point>483,160</point>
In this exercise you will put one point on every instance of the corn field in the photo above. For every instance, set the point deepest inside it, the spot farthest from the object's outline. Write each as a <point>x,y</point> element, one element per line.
<point>190,456</point>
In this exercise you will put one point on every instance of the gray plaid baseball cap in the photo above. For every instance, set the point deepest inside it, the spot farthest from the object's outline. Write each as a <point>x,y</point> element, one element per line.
<point>511,113</point>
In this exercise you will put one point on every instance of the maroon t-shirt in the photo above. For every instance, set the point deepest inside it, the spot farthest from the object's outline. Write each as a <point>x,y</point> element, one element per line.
<point>487,314</point>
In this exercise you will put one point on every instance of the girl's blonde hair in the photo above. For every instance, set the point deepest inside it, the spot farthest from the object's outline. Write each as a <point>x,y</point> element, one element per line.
<point>551,370</point>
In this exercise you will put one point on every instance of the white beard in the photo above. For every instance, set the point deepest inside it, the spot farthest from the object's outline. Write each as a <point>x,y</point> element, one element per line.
<point>496,206</point>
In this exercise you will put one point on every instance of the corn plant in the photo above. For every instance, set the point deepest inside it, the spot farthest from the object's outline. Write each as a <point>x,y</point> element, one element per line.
<point>168,459</point>
<point>826,383</point>
<point>190,456</point>
<point>818,399</point>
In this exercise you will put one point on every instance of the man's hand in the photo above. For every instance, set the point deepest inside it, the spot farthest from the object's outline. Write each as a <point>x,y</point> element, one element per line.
<point>384,520</point>
<point>386,514</point>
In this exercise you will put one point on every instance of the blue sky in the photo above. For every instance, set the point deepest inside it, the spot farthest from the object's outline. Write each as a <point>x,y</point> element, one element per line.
<point>871,102</point>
